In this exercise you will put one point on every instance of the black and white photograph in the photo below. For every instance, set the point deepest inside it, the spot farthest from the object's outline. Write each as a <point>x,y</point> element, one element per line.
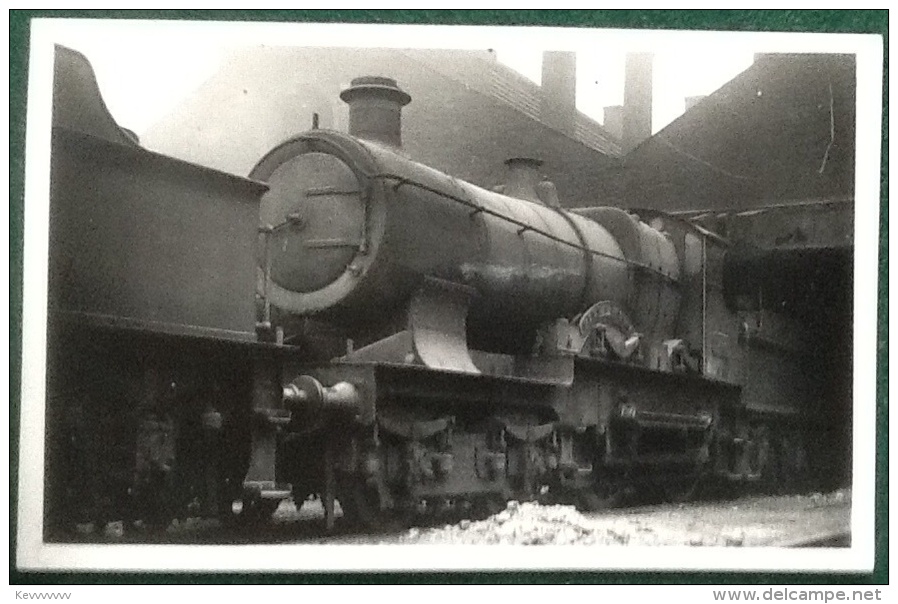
<point>331,297</point>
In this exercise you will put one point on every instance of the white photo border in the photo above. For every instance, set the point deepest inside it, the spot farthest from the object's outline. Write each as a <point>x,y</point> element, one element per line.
<point>33,553</point>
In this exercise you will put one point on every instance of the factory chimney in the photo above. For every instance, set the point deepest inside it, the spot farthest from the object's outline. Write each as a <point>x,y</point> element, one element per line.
<point>637,122</point>
<point>375,109</point>
<point>558,108</point>
<point>613,120</point>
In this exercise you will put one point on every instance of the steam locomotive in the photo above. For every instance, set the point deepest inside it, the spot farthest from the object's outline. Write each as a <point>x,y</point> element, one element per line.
<point>350,325</point>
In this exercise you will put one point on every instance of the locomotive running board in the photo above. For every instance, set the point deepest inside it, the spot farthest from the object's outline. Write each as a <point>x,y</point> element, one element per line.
<point>436,336</point>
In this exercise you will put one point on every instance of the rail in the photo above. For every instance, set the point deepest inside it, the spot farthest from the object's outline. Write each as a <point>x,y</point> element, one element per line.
<point>835,538</point>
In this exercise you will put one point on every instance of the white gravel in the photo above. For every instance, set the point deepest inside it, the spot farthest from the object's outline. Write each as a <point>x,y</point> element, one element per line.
<point>522,524</point>
<point>748,522</point>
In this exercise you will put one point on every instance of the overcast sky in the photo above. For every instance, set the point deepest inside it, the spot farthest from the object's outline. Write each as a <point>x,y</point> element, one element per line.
<point>142,79</point>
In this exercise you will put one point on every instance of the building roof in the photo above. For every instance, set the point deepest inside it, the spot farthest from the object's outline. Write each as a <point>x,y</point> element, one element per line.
<point>783,130</point>
<point>468,114</point>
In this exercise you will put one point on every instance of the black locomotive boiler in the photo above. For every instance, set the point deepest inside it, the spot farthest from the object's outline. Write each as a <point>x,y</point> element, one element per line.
<point>384,335</point>
<point>457,347</point>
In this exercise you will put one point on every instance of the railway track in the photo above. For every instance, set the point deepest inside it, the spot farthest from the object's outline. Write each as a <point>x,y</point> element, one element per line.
<point>832,538</point>
<point>814,520</point>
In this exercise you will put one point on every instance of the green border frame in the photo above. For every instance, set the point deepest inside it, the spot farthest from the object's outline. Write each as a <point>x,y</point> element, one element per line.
<point>828,21</point>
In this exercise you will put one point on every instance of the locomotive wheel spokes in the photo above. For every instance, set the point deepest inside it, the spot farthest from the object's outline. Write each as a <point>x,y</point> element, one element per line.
<point>144,527</point>
<point>603,494</point>
<point>767,459</point>
<point>261,510</point>
<point>152,504</point>
<point>605,499</point>
<point>683,489</point>
<point>759,452</point>
<point>250,512</point>
<point>689,484</point>
<point>760,460</point>
<point>590,501</point>
<point>484,506</point>
<point>364,508</point>
<point>156,524</point>
<point>793,462</point>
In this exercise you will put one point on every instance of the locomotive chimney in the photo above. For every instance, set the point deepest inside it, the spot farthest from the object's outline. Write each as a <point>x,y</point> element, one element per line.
<point>375,109</point>
<point>523,178</point>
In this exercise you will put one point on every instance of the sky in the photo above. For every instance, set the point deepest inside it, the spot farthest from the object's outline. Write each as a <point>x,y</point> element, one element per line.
<point>676,74</point>
<point>142,80</point>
